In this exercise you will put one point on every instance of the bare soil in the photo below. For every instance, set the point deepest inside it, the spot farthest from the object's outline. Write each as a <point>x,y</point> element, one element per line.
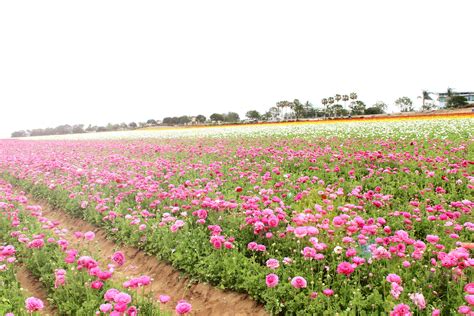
<point>33,287</point>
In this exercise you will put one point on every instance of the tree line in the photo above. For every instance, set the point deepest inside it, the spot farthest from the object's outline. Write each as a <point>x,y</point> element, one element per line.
<point>340,105</point>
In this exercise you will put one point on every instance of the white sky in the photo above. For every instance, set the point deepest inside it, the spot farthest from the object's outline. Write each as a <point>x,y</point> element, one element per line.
<point>69,62</point>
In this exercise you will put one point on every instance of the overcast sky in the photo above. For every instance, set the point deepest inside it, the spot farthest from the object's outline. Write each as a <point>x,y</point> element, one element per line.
<point>121,61</point>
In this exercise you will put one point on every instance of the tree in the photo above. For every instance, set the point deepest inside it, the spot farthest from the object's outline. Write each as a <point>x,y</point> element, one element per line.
<point>232,117</point>
<point>132,125</point>
<point>373,110</point>
<point>253,115</point>
<point>272,114</point>
<point>182,120</point>
<point>78,129</point>
<point>345,98</point>
<point>325,103</point>
<point>216,117</point>
<point>456,101</point>
<point>405,104</point>
<point>200,118</point>
<point>308,110</point>
<point>329,106</point>
<point>357,107</point>
<point>19,134</point>
<point>282,105</point>
<point>381,106</point>
<point>151,122</point>
<point>298,108</point>
<point>338,110</point>
<point>353,96</point>
<point>425,95</point>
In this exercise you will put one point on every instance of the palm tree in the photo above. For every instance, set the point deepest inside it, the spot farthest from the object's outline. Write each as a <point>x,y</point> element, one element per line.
<point>425,95</point>
<point>325,102</point>
<point>353,96</point>
<point>345,98</point>
<point>330,102</point>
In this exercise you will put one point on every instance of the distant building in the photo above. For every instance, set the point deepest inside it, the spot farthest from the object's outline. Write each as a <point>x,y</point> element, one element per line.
<point>442,97</point>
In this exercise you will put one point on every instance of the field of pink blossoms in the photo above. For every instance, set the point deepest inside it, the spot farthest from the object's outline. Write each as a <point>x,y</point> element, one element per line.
<point>303,224</point>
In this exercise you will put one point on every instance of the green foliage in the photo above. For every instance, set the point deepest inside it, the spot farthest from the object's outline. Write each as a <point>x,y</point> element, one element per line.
<point>456,101</point>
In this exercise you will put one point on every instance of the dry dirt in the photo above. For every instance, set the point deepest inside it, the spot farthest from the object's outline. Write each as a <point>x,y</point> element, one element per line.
<point>33,287</point>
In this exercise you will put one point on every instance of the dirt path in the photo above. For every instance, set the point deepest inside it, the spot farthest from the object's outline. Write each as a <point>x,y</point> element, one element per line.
<point>205,299</point>
<point>33,287</point>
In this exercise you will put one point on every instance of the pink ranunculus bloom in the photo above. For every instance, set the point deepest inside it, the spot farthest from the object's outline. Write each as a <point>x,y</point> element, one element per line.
<point>97,285</point>
<point>432,239</point>
<point>105,308</point>
<point>465,310</point>
<point>271,280</point>
<point>164,299</point>
<point>122,298</point>
<point>183,307</point>
<point>419,300</point>
<point>120,307</point>
<point>119,258</point>
<point>392,277</point>
<point>469,288</point>
<point>132,311</point>
<point>396,290</point>
<point>401,310</point>
<point>300,232</point>
<point>345,268</point>
<point>328,292</point>
<point>298,282</point>
<point>272,263</point>
<point>110,294</point>
<point>436,312</point>
<point>33,304</point>
<point>469,299</point>
<point>89,235</point>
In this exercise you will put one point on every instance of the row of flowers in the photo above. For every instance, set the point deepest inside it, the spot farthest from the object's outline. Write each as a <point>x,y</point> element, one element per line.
<point>76,282</point>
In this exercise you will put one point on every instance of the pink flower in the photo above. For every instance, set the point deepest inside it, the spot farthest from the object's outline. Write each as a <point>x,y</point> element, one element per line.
<point>401,310</point>
<point>97,285</point>
<point>419,300</point>
<point>105,308</point>
<point>436,312</point>
<point>119,258</point>
<point>432,239</point>
<point>273,263</point>
<point>464,310</point>
<point>396,290</point>
<point>271,280</point>
<point>469,299</point>
<point>110,294</point>
<point>345,268</point>
<point>89,235</point>
<point>394,278</point>
<point>328,292</point>
<point>164,299</point>
<point>298,282</point>
<point>300,232</point>
<point>132,311</point>
<point>36,243</point>
<point>469,288</point>
<point>183,307</point>
<point>33,304</point>
<point>122,298</point>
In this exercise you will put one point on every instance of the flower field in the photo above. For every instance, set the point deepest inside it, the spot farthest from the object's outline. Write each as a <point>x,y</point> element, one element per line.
<point>355,218</point>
